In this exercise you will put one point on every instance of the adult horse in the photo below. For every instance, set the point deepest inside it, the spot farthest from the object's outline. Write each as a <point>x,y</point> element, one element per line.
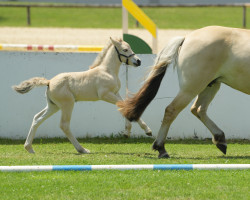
<point>204,59</point>
<point>100,82</point>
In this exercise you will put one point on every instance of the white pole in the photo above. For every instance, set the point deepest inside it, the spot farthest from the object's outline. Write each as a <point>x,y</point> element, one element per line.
<point>126,167</point>
<point>154,45</point>
<point>124,20</point>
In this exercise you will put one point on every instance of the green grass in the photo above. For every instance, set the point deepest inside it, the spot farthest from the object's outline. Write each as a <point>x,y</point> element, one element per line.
<point>165,18</point>
<point>124,184</point>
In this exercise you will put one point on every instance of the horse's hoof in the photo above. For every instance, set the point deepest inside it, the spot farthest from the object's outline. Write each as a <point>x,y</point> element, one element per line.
<point>149,133</point>
<point>29,149</point>
<point>161,149</point>
<point>163,155</point>
<point>84,151</point>
<point>87,151</point>
<point>222,147</point>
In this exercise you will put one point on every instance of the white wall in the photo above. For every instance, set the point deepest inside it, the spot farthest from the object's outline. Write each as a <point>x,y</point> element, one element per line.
<point>230,109</point>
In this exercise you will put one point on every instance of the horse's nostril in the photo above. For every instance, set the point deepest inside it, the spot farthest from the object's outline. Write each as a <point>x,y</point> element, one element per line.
<point>138,62</point>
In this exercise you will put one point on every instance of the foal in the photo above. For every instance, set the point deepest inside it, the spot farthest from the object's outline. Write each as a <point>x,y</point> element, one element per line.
<point>100,82</point>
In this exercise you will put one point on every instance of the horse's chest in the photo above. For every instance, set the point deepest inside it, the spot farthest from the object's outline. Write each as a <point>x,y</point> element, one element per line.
<point>116,85</point>
<point>109,83</point>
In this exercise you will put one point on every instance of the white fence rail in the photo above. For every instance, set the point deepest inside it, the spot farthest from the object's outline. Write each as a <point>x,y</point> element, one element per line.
<point>230,109</point>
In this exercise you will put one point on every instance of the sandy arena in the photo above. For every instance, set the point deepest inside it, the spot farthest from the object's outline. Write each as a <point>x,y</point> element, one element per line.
<point>75,36</point>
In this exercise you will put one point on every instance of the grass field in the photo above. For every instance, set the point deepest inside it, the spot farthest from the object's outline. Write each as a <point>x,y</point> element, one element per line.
<point>116,150</point>
<point>165,18</point>
<point>124,184</point>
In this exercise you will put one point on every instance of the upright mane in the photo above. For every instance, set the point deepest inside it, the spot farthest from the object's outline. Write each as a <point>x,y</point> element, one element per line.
<point>102,54</point>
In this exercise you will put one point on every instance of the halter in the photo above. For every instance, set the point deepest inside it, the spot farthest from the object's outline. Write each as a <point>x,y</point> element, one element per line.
<point>119,56</point>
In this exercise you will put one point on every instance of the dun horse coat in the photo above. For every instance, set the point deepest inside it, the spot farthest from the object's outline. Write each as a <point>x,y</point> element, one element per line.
<point>204,59</point>
<point>100,82</point>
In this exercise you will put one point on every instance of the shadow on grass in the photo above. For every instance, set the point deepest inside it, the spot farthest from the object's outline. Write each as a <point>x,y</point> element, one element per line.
<point>154,156</point>
<point>117,140</point>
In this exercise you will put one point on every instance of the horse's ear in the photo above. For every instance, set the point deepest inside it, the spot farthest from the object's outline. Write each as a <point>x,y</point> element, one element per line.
<point>115,42</point>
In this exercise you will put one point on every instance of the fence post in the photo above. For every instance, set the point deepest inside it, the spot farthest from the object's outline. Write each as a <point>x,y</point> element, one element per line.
<point>28,15</point>
<point>155,46</point>
<point>124,20</point>
<point>244,16</point>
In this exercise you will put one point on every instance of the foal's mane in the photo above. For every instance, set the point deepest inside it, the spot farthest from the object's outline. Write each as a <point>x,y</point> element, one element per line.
<point>102,54</point>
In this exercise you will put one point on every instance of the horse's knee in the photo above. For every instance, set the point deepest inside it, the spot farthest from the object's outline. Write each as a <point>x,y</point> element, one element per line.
<point>199,112</point>
<point>36,119</point>
<point>64,126</point>
<point>194,110</point>
<point>170,114</point>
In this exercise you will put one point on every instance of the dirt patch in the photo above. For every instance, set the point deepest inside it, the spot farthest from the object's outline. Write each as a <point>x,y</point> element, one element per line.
<point>74,36</point>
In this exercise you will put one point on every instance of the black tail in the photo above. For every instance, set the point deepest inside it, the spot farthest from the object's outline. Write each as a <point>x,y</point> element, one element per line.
<point>133,107</point>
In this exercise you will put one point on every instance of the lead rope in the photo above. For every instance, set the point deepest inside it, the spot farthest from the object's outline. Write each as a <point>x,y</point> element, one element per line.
<point>126,64</point>
<point>126,80</point>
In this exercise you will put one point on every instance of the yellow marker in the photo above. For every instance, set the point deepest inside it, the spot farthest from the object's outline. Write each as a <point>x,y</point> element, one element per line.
<point>140,16</point>
<point>89,48</point>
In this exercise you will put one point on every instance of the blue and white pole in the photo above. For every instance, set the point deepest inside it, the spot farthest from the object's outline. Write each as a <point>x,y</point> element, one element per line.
<point>125,167</point>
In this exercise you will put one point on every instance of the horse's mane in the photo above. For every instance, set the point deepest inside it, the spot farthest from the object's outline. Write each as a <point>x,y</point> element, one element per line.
<point>102,54</point>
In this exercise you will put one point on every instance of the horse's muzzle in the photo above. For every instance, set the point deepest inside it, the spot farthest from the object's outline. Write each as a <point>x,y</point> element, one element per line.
<point>138,62</point>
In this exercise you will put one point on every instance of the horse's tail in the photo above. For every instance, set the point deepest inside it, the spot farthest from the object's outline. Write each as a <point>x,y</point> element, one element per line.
<point>133,107</point>
<point>28,85</point>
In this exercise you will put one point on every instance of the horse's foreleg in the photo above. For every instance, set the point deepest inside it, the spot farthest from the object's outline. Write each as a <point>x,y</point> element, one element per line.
<point>144,126</point>
<point>114,98</point>
<point>128,127</point>
<point>38,119</point>
<point>171,112</point>
<point>199,109</point>
<point>67,108</point>
<point>110,97</point>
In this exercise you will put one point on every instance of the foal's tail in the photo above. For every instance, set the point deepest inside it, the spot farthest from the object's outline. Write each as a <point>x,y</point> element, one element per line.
<point>28,85</point>
<point>133,107</point>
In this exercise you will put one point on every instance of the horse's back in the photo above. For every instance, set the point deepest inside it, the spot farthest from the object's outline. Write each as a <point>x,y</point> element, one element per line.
<point>216,53</point>
<point>81,86</point>
<point>217,41</point>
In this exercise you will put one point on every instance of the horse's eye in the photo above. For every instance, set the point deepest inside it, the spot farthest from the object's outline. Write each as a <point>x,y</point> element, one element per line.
<point>125,50</point>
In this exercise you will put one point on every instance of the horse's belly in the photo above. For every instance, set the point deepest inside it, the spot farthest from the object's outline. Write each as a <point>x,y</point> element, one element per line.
<point>238,79</point>
<point>85,95</point>
<point>241,85</point>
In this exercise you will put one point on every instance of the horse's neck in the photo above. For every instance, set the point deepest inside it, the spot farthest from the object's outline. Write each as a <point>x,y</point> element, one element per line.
<point>111,62</point>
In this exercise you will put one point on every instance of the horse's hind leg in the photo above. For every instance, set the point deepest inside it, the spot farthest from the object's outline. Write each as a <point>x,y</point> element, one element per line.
<point>199,109</point>
<point>67,108</point>
<point>38,119</point>
<point>171,112</point>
